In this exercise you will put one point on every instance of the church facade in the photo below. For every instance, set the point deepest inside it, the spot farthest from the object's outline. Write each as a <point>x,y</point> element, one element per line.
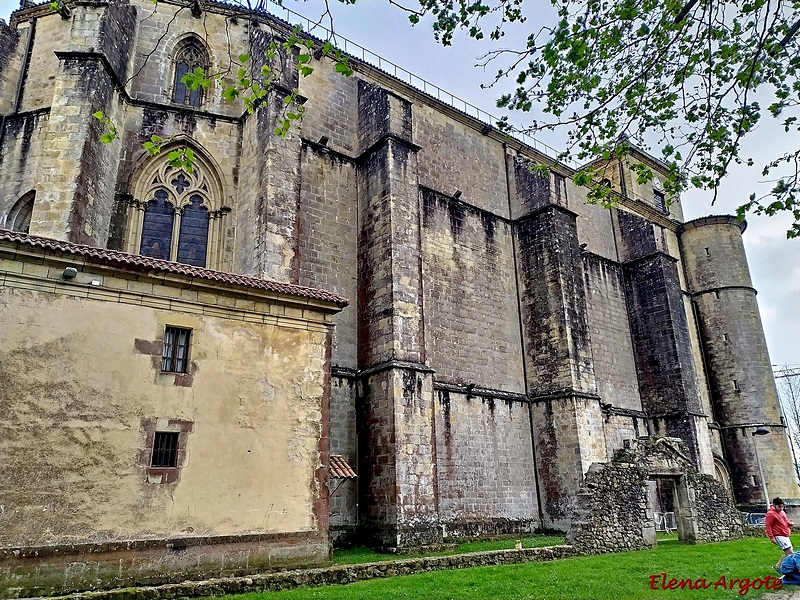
<point>390,283</point>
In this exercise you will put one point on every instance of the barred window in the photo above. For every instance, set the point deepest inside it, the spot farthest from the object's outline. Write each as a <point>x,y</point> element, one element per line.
<point>165,449</point>
<point>175,354</point>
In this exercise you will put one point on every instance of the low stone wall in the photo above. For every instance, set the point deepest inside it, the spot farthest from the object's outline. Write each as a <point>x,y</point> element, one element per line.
<point>343,574</point>
<point>64,569</point>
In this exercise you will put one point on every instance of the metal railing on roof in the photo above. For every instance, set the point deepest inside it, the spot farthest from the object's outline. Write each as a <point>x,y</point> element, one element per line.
<point>367,56</point>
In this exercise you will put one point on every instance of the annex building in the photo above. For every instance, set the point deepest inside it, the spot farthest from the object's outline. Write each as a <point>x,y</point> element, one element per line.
<point>390,284</point>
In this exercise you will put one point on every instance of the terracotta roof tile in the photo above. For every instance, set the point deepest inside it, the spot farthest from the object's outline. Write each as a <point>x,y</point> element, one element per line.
<point>340,469</point>
<point>146,264</point>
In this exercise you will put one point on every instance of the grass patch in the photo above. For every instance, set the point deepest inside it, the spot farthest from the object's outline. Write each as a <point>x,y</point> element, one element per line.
<point>624,576</point>
<point>351,556</point>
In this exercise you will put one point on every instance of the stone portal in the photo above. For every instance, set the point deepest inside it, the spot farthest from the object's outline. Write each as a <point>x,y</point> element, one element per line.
<point>613,510</point>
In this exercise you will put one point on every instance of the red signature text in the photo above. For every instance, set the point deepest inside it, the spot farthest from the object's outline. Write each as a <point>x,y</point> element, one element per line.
<point>663,582</point>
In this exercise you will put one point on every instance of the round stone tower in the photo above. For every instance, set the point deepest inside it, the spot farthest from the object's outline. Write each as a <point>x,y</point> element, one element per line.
<point>742,386</point>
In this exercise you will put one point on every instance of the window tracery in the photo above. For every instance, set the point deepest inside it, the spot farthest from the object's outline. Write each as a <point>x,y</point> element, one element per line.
<point>176,215</point>
<point>189,57</point>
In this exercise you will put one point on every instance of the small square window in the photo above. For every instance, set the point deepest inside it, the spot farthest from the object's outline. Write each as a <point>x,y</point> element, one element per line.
<point>165,449</point>
<point>175,355</point>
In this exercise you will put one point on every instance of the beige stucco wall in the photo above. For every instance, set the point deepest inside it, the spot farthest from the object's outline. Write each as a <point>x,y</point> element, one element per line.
<point>80,372</point>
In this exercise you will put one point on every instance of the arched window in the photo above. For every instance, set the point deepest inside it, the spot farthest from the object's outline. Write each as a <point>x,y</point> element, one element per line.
<point>188,57</point>
<point>19,217</point>
<point>176,215</point>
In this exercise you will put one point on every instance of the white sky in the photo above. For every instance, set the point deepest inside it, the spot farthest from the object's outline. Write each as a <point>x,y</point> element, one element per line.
<point>774,260</point>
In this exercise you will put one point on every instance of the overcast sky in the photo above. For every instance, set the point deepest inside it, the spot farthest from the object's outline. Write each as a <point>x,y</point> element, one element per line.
<point>384,30</point>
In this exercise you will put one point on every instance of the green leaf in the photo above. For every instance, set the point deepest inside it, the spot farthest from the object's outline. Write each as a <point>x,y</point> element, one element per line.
<point>230,93</point>
<point>343,69</point>
<point>107,138</point>
<point>99,115</point>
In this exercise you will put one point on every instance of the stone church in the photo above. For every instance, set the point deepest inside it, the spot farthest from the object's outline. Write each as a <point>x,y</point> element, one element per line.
<point>390,284</point>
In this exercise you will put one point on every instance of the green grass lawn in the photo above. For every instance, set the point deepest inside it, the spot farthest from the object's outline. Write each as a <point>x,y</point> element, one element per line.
<point>610,576</point>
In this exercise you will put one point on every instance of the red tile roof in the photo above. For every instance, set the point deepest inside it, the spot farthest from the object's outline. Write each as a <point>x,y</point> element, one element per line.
<point>340,469</point>
<point>154,266</point>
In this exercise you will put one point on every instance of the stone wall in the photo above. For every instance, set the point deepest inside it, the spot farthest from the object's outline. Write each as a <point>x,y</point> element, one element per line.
<point>484,464</point>
<point>470,296</point>
<point>610,333</point>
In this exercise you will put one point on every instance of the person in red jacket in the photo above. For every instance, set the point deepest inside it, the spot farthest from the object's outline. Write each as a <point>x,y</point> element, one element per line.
<point>779,528</point>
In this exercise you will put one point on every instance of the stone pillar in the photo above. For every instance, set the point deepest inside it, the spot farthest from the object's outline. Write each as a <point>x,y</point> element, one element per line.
<point>565,411</point>
<point>396,388</point>
<point>660,332</point>
<point>75,195</point>
<point>739,369</point>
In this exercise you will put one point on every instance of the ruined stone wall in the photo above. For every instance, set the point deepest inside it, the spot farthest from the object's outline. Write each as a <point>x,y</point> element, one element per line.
<point>470,303</point>
<point>484,465</point>
<point>613,511</point>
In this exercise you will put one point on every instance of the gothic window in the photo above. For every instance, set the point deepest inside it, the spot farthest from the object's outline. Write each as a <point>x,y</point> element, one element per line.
<point>157,227</point>
<point>176,215</point>
<point>193,236</point>
<point>188,58</point>
<point>19,217</point>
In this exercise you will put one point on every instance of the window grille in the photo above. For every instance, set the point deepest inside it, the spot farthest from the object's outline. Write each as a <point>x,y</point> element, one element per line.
<point>165,449</point>
<point>175,355</point>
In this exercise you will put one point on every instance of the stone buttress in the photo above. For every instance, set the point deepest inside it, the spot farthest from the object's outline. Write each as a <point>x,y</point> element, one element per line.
<point>396,388</point>
<point>660,330</point>
<point>565,408</point>
<point>75,195</point>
